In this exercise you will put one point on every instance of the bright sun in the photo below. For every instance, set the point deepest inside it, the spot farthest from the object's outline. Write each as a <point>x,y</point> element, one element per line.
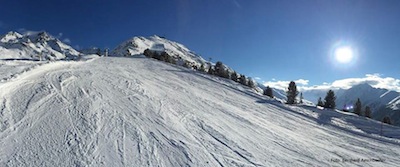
<point>344,54</point>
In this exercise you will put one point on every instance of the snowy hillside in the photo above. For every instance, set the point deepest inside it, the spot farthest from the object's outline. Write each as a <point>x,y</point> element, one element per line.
<point>116,111</point>
<point>34,46</point>
<point>137,45</point>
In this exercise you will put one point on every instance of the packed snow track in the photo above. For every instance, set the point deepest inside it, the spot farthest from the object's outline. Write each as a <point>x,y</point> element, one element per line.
<point>141,112</point>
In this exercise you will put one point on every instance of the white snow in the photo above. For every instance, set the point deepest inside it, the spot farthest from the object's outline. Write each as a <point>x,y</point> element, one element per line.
<point>10,37</point>
<point>33,45</point>
<point>137,45</point>
<point>12,68</point>
<point>395,103</point>
<point>115,111</point>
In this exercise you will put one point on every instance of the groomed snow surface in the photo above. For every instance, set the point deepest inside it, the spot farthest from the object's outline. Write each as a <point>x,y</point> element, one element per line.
<point>118,111</point>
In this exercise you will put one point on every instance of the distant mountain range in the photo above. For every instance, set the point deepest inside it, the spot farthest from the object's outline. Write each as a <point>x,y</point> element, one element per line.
<point>35,46</point>
<point>42,45</point>
<point>383,102</point>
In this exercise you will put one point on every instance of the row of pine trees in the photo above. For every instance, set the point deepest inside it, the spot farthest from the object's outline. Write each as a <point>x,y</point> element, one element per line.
<point>219,69</point>
<point>329,102</point>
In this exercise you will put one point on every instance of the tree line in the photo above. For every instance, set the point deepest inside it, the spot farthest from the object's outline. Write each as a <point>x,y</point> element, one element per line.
<point>329,102</point>
<point>219,69</point>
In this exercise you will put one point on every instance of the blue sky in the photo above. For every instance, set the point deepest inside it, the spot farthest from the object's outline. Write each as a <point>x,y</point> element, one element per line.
<point>271,40</point>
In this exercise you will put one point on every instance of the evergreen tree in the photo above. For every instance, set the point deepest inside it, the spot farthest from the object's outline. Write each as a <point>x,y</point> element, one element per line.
<point>202,68</point>
<point>386,120</point>
<point>368,112</point>
<point>358,107</point>
<point>221,70</point>
<point>330,100</point>
<point>148,53</point>
<point>251,83</point>
<point>218,68</point>
<point>234,76</point>
<point>210,70</point>
<point>268,92</point>
<point>195,67</point>
<point>292,93</point>
<point>224,73</point>
<point>169,59</point>
<point>301,98</point>
<point>320,103</point>
<point>243,79</point>
<point>218,65</point>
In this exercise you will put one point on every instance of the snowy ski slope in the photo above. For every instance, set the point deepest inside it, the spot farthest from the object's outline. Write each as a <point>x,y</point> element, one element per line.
<point>116,111</point>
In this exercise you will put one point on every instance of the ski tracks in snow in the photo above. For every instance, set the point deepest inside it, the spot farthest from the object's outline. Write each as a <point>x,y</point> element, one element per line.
<point>140,112</point>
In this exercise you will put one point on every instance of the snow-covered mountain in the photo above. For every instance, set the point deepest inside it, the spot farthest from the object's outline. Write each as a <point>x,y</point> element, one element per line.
<point>380,100</point>
<point>116,111</point>
<point>34,46</point>
<point>383,102</point>
<point>137,45</point>
<point>373,97</point>
<point>395,103</point>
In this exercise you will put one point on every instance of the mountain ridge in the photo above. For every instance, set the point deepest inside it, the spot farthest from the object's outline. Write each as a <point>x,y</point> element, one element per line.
<point>383,102</point>
<point>35,46</point>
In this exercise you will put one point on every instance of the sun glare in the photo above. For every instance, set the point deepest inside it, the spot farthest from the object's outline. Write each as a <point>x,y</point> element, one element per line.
<point>344,54</point>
